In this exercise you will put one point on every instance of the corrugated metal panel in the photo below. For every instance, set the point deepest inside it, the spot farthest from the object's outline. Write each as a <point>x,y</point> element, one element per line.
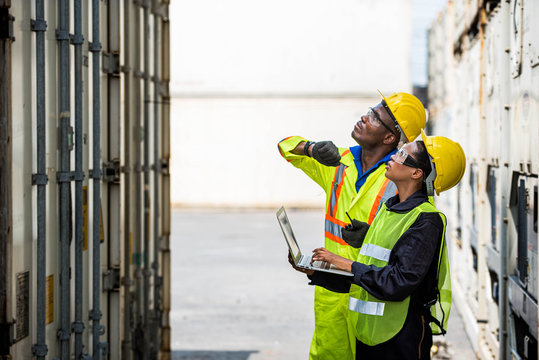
<point>492,110</point>
<point>82,301</point>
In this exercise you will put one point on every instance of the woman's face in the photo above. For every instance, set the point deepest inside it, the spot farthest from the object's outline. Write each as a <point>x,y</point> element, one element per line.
<point>402,165</point>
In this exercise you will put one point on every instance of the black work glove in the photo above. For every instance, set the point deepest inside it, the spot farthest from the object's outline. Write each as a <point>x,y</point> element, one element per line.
<point>354,233</point>
<point>326,153</point>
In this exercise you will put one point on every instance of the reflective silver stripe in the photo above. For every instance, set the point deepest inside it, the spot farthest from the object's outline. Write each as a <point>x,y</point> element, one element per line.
<point>338,179</point>
<point>375,251</point>
<point>333,228</point>
<point>366,307</point>
<point>390,191</point>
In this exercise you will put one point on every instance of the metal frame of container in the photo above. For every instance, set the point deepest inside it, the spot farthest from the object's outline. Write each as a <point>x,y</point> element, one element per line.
<point>6,212</point>
<point>78,89</point>
<point>484,93</point>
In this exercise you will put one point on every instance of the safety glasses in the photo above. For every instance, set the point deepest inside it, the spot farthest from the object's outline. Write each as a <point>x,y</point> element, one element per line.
<point>375,121</point>
<point>402,157</point>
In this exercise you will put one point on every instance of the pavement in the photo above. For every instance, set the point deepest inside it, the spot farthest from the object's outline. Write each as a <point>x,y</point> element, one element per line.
<point>235,297</point>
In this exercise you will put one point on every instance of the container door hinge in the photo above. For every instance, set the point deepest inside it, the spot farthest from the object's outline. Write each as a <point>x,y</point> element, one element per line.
<point>160,9</point>
<point>163,90</point>
<point>164,243</point>
<point>163,166</point>
<point>111,63</point>
<point>111,280</point>
<point>7,334</point>
<point>6,24</point>
<point>111,171</point>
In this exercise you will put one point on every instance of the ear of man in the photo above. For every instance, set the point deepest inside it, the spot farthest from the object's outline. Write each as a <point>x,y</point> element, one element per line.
<point>390,139</point>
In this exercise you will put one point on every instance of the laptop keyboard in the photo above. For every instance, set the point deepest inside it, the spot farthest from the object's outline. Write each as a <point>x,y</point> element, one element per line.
<point>306,261</point>
<point>321,265</point>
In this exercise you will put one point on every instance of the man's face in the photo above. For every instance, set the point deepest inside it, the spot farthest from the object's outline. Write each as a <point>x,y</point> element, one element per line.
<point>369,131</point>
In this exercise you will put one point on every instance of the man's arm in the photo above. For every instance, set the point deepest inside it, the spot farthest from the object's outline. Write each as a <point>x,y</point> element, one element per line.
<point>291,149</point>
<point>300,149</point>
<point>325,152</point>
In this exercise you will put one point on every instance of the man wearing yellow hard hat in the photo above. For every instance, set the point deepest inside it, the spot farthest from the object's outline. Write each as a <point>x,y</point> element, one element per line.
<point>354,182</point>
<point>400,292</point>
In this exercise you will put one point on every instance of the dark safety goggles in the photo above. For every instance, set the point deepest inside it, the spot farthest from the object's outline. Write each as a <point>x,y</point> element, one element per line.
<point>402,157</point>
<point>375,121</point>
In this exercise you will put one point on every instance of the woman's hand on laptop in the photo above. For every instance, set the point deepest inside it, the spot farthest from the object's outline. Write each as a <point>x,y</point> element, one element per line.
<point>305,271</point>
<point>322,254</point>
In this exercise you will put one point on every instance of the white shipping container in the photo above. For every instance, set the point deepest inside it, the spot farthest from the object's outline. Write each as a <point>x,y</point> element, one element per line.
<point>491,108</point>
<point>246,75</point>
<point>89,256</point>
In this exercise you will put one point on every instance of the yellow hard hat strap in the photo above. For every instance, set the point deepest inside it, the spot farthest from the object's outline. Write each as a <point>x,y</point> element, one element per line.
<point>429,181</point>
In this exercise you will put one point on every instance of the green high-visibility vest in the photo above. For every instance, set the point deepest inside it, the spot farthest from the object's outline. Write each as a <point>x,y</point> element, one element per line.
<point>376,321</point>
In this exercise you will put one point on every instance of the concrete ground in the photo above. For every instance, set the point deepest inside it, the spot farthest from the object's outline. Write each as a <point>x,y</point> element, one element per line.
<point>235,297</point>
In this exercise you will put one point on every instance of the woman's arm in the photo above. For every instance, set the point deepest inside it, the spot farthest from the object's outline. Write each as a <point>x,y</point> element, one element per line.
<point>408,264</point>
<point>322,254</point>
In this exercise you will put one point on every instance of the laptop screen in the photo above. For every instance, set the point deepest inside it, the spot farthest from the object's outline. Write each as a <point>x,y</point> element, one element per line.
<point>288,233</point>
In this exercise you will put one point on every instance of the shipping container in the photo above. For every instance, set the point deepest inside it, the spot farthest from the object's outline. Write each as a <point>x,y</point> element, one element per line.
<point>242,82</point>
<point>484,93</point>
<point>84,187</point>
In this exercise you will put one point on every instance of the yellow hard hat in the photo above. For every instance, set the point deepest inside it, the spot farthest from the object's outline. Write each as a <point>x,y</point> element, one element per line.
<point>407,111</point>
<point>448,159</point>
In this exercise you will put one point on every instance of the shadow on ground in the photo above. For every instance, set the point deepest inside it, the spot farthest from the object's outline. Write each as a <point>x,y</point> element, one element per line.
<point>211,355</point>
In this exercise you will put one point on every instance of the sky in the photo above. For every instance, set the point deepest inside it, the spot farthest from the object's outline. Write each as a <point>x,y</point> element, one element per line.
<point>424,12</point>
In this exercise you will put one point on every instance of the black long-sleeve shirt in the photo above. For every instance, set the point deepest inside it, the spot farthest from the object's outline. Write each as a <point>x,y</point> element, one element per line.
<point>411,271</point>
<point>412,265</point>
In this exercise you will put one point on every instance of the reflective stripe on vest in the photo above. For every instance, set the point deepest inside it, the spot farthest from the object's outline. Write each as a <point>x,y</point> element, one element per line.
<point>332,225</point>
<point>375,251</point>
<point>333,232</point>
<point>336,189</point>
<point>366,307</point>
<point>387,190</point>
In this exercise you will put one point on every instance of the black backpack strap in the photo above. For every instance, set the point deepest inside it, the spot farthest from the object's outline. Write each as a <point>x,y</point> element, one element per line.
<point>428,315</point>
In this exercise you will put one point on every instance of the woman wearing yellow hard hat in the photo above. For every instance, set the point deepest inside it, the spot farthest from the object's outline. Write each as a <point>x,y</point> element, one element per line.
<point>400,294</point>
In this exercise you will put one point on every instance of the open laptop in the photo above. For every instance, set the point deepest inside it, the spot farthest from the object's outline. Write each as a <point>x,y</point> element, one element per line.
<point>303,261</point>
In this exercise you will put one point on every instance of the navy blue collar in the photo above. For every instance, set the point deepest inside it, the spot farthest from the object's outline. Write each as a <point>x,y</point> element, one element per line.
<point>396,205</point>
<point>361,175</point>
